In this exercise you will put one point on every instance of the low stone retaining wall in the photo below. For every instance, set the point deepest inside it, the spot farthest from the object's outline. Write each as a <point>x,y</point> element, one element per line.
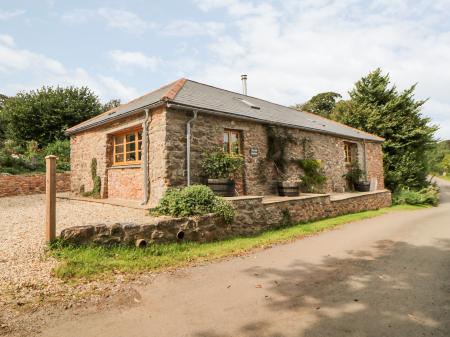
<point>11,185</point>
<point>253,215</point>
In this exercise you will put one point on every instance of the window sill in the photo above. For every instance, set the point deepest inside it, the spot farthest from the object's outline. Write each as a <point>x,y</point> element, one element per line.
<point>133,166</point>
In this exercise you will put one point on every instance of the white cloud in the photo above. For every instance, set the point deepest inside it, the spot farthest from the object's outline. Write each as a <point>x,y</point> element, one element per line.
<point>114,18</point>
<point>121,90</point>
<point>193,28</point>
<point>125,20</point>
<point>23,69</point>
<point>133,59</point>
<point>299,48</point>
<point>6,40</point>
<point>8,15</point>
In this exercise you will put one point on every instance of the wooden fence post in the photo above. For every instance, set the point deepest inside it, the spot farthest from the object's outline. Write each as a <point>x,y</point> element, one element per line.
<point>50,198</point>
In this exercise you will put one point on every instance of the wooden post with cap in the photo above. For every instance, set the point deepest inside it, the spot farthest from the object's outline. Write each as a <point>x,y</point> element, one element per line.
<point>50,198</point>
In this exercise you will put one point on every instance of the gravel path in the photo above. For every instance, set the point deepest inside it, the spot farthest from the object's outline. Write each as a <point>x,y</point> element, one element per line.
<point>25,270</point>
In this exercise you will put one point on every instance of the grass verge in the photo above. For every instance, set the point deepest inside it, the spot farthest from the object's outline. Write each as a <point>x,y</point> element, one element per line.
<point>444,177</point>
<point>89,262</point>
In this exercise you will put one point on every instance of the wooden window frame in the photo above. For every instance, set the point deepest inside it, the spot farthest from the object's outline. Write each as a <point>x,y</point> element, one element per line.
<point>348,153</point>
<point>239,139</point>
<point>124,143</point>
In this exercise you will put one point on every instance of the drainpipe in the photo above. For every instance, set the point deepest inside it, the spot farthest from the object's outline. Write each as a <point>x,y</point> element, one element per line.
<point>188,146</point>
<point>365,158</point>
<point>145,156</point>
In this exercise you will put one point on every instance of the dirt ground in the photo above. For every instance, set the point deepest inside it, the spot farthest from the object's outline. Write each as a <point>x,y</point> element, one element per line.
<point>386,276</point>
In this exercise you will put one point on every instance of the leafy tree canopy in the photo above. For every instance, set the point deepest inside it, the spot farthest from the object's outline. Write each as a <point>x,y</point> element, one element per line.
<point>378,107</point>
<point>111,104</point>
<point>321,104</point>
<point>43,115</point>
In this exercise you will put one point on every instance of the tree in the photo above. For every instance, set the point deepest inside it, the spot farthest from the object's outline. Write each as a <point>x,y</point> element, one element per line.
<point>3,99</point>
<point>111,104</point>
<point>321,104</point>
<point>43,115</point>
<point>378,107</point>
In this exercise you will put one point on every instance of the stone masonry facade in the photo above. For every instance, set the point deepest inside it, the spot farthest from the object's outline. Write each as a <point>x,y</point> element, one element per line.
<point>260,176</point>
<point>11,185</point>
<point>253,215</point>
<point>167,155</point>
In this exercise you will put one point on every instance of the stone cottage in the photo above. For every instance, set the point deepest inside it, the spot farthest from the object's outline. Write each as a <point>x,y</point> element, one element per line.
<point>157,141</point>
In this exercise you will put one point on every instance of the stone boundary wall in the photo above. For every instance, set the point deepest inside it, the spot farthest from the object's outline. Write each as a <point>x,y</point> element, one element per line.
<point>11,185</point>
<point>253,215</point>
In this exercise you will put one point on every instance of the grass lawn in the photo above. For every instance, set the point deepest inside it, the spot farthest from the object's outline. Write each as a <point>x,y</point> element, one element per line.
<point>77,263</point>
<point>444,177</point>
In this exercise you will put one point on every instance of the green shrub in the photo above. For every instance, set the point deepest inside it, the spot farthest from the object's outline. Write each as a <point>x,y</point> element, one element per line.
<point>96,180</point>
<point>313,176</point>
<point>425,196</point>
<point>220,164</point>
<point>355,174</point>
<point>60,149</point>
<point>15,159</point>
<point>193,200</point>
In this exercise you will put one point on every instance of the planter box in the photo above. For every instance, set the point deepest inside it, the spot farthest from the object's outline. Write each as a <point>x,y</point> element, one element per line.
<point>286,189</point>
<point>362,186</point>
<point>222,187</point>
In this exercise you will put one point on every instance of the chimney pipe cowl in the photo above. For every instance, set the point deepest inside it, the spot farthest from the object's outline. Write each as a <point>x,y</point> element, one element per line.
<point>244,84</point>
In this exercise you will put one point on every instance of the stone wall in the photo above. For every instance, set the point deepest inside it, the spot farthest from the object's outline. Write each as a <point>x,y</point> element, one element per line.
<point>253,215</point>
<point>11,185</point>
<point>260,177</point>
<point>125,183</point>
<point>167,155</point>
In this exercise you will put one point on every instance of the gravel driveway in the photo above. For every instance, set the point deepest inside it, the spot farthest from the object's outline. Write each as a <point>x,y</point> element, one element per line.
<point>25,270</point>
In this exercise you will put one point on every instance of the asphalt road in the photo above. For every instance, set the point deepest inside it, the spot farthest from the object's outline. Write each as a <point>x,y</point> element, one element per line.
<point>386,276</point>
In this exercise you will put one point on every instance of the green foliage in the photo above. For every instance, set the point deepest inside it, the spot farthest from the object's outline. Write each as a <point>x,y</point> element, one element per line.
<point>286,218</point>
<point>378,107</point>
<point>43,115</point>
<point>193,200</point>
<point>110,104</point>
<point>313,176</point>
<point>60,149</point>
<point>321,104</point>
<point>428,195</point>
<point>15,159</point>
<point>96,181</point>
<point>355,174</point>
<point>220,164</point>
<point>278,140</point>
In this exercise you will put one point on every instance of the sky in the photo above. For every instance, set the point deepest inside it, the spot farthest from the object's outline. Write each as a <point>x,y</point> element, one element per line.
<point>290,50</point>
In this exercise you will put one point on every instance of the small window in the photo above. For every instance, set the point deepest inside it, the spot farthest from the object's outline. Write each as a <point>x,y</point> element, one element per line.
<point>348,153</point>
<point>232,141</point>
<point>127,148</point>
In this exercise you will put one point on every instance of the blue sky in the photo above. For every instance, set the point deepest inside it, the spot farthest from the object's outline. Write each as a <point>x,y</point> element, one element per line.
<point>290,50</point>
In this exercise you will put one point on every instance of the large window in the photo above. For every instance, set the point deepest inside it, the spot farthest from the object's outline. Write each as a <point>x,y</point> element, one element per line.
<point>128,148</point>
<point>232,141</point>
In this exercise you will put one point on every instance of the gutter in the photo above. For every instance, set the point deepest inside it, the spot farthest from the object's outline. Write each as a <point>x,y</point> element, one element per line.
<point>260,120</point>
<point>146,185</point>
<point>188,145</point>
<point>113,117</point>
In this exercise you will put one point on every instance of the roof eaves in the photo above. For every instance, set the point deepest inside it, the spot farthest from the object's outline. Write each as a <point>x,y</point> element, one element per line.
<point>266,121</point>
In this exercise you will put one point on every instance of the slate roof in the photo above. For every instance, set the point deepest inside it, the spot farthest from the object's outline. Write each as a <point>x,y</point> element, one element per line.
<point>205,97</point>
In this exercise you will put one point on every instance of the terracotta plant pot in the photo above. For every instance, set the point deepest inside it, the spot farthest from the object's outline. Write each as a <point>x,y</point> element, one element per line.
<point>222,187</point>
<point>288,189</point>
<point>362,186</point>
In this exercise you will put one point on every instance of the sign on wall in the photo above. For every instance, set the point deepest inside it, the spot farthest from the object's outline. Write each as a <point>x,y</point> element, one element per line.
<point>254,152</point>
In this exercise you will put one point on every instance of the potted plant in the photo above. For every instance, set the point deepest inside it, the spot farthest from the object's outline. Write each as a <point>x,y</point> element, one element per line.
<point>356,178</point>
<point>220,168</point>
